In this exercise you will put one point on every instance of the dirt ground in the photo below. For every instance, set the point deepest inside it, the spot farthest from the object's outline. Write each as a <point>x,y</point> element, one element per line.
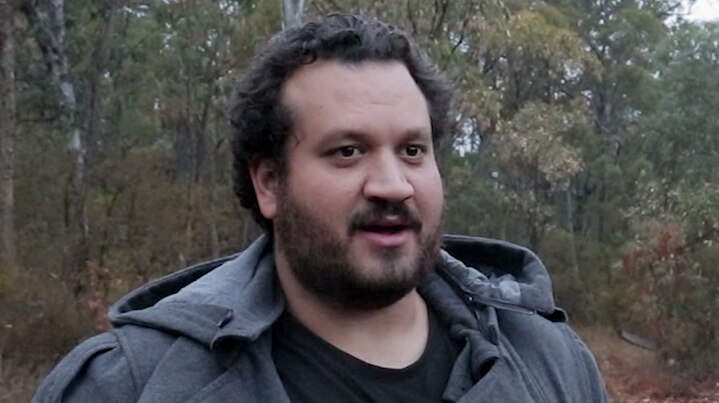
<point>634,375</point>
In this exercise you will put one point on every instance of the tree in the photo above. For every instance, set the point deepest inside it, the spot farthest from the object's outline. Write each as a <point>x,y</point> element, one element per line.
<point>681,133</point>
<point>47,19</point>
<point>7,133</point>
<point>679,138</point>
<point>77,95</point>
<point>535,162</point>
<point>292,12</point>
<point>201,49</point>
<point>622,36</point>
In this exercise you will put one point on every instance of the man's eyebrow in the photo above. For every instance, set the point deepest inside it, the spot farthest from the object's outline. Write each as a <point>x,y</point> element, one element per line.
<point>343,134</point>
<point>418,134</point>
<point>358,135</point>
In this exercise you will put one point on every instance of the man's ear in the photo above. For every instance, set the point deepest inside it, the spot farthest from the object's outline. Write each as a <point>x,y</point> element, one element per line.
<point>265,178</point>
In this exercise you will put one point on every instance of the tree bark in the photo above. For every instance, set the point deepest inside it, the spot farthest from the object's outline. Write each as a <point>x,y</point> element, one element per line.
<point>47,19</point>
<point>212,188</point>
<point>292,12</point>
<point>110,11</point>
<point>7,134</point>
<point>570,228</point>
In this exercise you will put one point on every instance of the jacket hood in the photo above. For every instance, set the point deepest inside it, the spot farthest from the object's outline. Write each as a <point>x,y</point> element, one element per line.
<point>238,297</point>
<point>498,273</point>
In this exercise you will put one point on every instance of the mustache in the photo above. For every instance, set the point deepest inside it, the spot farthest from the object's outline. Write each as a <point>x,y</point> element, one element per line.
<point>379,210</point>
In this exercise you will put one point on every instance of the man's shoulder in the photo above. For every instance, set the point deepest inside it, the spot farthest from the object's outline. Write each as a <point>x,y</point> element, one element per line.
<point>116,366</point>
<point>539,335</point>
<point>552,353</point>
<point>99,360</point>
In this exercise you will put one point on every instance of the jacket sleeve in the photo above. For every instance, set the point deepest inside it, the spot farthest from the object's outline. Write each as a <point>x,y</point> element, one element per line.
<point>593,385</point>
<point>95,371</point>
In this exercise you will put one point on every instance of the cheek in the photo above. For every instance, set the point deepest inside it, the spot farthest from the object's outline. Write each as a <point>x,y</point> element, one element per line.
<point>328,196</point>
<point>430,194</point>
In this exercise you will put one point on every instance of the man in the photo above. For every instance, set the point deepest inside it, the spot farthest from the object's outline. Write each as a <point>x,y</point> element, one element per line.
<point>348,297</point>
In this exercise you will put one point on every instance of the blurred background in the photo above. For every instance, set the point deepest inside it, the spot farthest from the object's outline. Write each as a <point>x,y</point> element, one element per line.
<point>587,130</point>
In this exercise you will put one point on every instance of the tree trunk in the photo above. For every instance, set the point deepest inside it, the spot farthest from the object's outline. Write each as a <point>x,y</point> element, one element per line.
<point>212,188</point>
<point>7,134</point>
<point>109,12</point>
<point>47,19</point>
<point>292,12</point>
<point>570,228</point>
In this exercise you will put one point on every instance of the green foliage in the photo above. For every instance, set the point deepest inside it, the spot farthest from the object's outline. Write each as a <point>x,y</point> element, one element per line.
<point>539,59</point>
<point>593,299</point>
<point>474,204</point>
<point>680,136</point>
<point>532,143</point>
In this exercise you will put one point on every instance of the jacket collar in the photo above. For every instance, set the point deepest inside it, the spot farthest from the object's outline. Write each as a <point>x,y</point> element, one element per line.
<point>238,298</point>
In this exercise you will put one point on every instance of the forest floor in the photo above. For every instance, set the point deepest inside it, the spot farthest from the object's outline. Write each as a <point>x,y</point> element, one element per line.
<point>632,375</point>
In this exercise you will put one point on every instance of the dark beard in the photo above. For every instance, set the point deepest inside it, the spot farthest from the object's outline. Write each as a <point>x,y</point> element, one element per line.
<point>320,260</point>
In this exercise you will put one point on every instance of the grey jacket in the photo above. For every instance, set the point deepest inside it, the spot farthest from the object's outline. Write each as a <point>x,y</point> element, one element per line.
<point>201,334</point>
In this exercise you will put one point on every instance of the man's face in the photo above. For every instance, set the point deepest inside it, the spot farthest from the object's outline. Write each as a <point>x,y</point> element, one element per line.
<point>357,216</point>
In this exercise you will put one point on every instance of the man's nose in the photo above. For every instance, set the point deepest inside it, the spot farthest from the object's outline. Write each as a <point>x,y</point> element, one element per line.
<point>387,179</point>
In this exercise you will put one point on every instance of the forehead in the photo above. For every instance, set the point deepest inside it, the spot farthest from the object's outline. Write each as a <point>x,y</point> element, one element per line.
<point>374,94</point>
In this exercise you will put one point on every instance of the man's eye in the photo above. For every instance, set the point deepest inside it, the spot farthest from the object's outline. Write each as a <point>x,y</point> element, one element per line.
<point>414,150</point>
<point>347,151</point>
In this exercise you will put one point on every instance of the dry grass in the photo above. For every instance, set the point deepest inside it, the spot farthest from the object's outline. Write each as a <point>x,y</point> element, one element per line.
<point>18,381</point>
<point>637,375</point>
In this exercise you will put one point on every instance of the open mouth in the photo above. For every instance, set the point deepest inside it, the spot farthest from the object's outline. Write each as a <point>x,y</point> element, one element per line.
<point>387,233</point>
<point>385,229</point>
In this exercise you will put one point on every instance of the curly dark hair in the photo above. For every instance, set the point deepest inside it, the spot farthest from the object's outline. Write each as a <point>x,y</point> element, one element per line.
<point>261,124</point>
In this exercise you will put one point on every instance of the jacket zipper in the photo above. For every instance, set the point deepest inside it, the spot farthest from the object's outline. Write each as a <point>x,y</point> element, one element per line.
<point>498,303</point>
<point>475,298</point>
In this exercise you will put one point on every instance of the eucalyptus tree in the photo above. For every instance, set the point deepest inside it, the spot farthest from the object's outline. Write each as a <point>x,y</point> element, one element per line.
<point>47,20</point>
<point>292,12</point>
<point>622,36</point>
<point>672,262</point>
<point>7,134</point>
<point>203,49</point>
<point>680,138</point>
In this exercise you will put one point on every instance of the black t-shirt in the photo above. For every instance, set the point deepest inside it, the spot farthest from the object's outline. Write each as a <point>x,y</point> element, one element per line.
<point>313,370</point>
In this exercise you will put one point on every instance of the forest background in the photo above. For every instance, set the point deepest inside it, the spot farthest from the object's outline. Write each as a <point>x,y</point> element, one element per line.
<point>588,130</point>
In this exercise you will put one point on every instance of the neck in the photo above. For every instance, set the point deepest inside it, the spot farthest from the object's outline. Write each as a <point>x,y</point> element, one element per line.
<point>394,336</point>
